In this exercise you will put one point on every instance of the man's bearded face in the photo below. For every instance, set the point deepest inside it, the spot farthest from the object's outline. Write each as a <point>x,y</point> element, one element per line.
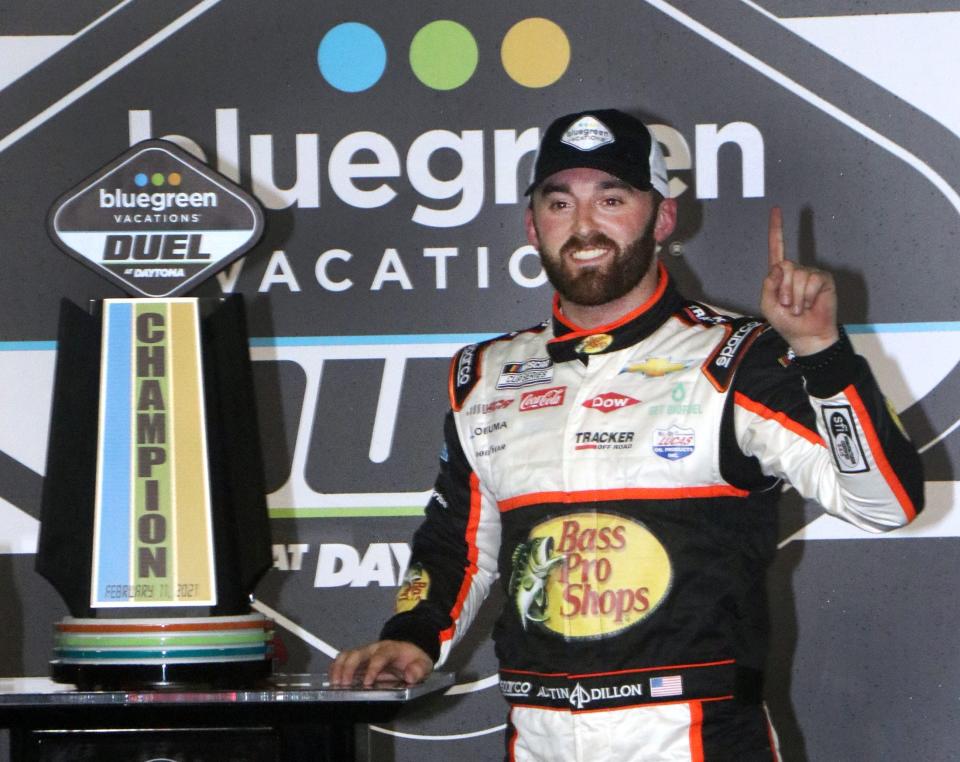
<point>606,282</point>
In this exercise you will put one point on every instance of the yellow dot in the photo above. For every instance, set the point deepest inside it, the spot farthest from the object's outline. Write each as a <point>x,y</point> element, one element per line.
<point>535,52</point>
<point>174,178</point>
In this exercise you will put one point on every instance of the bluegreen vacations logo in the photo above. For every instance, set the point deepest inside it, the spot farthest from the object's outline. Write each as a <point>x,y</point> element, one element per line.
<point>156,221</point>
<point>157,200</point>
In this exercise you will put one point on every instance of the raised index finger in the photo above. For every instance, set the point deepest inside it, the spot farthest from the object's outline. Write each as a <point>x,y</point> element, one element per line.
<point>775,237</point>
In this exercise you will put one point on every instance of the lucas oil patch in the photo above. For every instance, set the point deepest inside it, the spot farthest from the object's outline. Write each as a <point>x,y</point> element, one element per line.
<point>844,440</point>
<point>588,575</point>
<point>674,442</point>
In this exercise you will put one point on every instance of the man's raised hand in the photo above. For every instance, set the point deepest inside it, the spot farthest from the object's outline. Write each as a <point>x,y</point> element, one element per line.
<point>799,302</point>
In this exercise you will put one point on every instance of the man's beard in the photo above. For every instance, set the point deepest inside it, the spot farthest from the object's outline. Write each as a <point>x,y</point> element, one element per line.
<point>594,286</point>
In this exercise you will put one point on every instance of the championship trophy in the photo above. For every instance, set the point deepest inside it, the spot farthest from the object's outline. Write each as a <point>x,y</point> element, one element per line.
<point>154,526</point>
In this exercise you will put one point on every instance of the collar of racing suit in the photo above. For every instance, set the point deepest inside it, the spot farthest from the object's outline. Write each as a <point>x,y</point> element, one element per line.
<point>571,342</point>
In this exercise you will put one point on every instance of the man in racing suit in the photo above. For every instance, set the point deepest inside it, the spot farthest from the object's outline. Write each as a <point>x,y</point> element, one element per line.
<point>618,468</point>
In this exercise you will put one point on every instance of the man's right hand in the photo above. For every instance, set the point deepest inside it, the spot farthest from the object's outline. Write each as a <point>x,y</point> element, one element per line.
<point>385,659</point>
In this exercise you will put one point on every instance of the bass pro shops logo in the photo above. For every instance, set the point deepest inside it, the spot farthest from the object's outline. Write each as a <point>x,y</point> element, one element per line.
<point>588,575</point>
<point>156,221</point>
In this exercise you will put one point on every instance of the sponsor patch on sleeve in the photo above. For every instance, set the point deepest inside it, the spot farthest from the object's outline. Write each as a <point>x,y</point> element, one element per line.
<point>722,364</point>
<point>414,588</point>
<point>464,374</point>
<point>844,440</point>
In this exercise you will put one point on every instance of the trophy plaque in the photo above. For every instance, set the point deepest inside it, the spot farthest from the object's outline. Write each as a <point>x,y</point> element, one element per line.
<point>154,526</point>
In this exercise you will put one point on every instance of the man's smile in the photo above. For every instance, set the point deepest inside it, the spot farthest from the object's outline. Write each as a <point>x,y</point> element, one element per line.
<point>588,255</point>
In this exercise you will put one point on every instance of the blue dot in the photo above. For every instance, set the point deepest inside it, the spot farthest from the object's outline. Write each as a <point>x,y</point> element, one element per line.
<point>351,57</point>
<point>141,179</point>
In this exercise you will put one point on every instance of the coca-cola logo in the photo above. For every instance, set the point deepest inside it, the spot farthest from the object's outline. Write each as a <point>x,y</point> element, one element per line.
<point>543,398</point>
<point>608,402</point>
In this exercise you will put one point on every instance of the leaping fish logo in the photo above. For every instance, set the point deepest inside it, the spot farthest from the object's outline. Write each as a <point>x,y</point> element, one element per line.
<point>654,367</point>
<point>532,562</point>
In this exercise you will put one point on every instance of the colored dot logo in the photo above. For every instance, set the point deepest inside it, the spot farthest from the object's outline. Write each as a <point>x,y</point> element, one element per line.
<point>444,55</point>
<point>352,57</point>
<point>535,52</point>
<point>157,179</point>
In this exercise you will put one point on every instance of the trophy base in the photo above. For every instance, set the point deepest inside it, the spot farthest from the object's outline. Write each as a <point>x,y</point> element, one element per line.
<point>222,651</point>
<point>93,677</point>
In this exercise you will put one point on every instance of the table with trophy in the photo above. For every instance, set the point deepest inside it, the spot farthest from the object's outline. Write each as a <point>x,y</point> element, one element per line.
<point>154,525</point>
<point>283,717</point>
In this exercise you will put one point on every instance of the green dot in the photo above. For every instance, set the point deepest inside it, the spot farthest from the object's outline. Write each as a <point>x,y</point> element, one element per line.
<point>443,55</point>
<point>157,179</point>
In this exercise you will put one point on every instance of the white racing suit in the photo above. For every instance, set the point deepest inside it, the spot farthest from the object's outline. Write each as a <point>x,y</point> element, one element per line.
<point>622,484</point>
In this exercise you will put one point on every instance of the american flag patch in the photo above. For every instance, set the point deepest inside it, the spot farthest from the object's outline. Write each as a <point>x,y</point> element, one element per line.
<point>666,686</point>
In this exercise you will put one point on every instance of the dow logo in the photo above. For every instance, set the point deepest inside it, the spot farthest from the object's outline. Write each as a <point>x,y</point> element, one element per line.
<point>156,221</point>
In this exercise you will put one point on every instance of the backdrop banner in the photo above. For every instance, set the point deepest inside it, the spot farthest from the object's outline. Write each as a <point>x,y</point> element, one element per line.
<point>390,145</point>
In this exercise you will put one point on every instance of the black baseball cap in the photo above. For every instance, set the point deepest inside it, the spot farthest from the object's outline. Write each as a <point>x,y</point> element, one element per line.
<point>605,139</point>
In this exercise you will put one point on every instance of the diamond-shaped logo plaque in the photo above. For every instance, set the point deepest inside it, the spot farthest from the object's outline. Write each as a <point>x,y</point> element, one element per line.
<point>156,221</point>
